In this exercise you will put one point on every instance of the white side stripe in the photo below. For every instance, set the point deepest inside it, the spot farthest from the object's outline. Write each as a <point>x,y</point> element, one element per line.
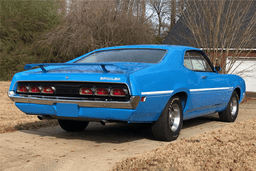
<point>156,92</point>
<point>207,89</point>
<point>191,90</point>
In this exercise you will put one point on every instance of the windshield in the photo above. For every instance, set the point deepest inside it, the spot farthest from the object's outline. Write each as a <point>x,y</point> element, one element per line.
<point>125,55</point>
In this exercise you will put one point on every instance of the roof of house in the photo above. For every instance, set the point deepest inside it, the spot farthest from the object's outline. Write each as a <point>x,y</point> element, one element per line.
<point>180,34</point>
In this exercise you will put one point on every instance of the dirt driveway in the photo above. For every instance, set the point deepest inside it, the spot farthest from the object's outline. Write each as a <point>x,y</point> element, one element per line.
<point>97,148</point>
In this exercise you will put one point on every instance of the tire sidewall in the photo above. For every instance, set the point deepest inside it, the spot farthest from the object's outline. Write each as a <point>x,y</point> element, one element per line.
<point>161,128</point>
<point>226,115</point>
<point>173,134</point>
<point>233,118</point>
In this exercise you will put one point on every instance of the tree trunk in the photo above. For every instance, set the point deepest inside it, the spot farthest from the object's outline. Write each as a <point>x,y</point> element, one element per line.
<point>173,13</point>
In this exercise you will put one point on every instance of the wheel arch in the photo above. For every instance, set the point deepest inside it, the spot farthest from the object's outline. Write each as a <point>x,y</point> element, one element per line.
<point>238,91</point>
<point>183,96</point>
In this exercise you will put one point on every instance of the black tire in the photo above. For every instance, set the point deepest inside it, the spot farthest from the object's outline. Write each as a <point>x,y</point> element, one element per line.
<point>231,111</point>
<point>73,126</point>
<point>168,128</point>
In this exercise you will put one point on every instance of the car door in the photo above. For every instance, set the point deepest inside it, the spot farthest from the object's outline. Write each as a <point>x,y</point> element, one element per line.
<point>215,89</point>
<point>194,82</point>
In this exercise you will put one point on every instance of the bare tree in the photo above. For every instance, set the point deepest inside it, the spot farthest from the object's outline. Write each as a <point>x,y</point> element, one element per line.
<point>160,8</point>
<point>140,6</point>
<point>90,25</point>
<point>173,13</point>
<point>167,13</point>
<point>222,28</point>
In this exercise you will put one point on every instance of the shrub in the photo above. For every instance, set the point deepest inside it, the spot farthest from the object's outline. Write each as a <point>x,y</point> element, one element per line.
<point>21,23</point>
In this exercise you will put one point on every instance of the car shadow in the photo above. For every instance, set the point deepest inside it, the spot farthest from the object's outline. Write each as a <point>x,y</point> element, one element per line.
<point>200,120</point>
<point>114,132</point>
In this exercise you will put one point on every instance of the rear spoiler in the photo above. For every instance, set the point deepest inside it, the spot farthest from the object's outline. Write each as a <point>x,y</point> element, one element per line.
<point>42,65</point>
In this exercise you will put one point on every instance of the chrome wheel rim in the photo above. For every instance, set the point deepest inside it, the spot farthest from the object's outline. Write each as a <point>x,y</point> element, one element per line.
<point>233,106</point>
<point>174,117</point>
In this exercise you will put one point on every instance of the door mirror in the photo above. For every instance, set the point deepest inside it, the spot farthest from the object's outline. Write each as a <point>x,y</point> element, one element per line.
<point>217,68</point>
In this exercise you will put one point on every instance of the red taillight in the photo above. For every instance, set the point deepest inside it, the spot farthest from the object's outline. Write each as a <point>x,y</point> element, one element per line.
<point>86,91</point>
<point>118,92</point>
<point>48,90</point>
<point>34,89</point>
<point>101,92</point>
<point>22,89</point>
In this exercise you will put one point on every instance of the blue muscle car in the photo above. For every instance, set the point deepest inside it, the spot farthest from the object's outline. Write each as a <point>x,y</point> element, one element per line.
<point>158,84</point>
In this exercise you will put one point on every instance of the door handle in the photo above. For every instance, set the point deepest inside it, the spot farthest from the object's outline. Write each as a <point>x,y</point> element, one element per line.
<point>204,77</point>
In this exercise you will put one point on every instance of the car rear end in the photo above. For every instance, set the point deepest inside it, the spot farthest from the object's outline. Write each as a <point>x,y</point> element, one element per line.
<point>80,100</point>
<point>84,91</point>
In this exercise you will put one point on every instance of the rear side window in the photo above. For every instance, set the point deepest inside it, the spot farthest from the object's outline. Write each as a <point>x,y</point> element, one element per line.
<point>187,61</point>
<point>195,61</point>
<point>126,55</point>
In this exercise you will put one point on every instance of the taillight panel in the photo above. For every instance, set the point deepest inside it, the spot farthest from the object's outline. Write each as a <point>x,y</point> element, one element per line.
<point>119,92</point>
<point>48,90</point>
<point>101,92</point>
<point>34,89</point>
<point>22,89</point>
<point>88,91</point>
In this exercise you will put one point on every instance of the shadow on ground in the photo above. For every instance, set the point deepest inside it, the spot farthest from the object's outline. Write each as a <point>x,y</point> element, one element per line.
<point>114,132</point>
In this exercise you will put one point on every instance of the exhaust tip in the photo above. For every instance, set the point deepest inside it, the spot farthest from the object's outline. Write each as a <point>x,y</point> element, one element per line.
<point>103,122</point>
<point>40,117</point>
<point>44,117</point>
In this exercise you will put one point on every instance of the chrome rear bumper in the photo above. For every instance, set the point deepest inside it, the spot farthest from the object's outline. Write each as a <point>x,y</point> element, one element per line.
<point>131,104</point>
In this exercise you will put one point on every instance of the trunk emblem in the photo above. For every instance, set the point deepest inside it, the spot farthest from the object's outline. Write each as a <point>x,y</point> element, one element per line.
<point>109,78</point>
<point>66,77</point>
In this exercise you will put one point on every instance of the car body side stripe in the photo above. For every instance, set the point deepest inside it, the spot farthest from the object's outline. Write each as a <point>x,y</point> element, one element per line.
<point>156,92</point>
<point>191,90</point>
<point>209,89</point>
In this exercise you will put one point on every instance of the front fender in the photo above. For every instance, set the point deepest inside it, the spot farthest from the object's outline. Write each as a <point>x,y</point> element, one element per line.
<point>236,81</point>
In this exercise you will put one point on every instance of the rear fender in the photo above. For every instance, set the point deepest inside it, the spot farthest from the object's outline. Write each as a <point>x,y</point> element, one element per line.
<point>155,104</point>
<point>185,101</point>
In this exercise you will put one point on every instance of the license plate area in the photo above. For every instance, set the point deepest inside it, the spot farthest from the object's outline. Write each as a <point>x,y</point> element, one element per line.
<point>67,110</point>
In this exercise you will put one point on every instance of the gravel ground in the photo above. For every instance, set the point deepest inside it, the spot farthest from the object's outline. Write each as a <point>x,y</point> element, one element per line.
<point>12,119</point>
<point>230,148</point>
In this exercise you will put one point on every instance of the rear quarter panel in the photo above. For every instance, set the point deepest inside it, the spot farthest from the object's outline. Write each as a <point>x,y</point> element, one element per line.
<point>160,82</point>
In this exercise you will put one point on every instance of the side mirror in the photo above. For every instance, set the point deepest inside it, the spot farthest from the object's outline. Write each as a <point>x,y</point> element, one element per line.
<point>217,68</point>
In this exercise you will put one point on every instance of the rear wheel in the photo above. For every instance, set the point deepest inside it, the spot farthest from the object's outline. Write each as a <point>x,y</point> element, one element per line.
<point>231,111</point>
<point>73,126</point>
<point>169,124</point>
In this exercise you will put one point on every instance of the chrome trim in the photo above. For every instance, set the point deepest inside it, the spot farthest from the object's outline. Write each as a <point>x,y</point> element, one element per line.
<point>210,89</point>
<point>157,92</point>
<point>50,100</point>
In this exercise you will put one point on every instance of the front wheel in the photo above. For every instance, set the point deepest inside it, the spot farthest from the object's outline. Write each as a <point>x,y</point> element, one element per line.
<point>231,111</point>
<point>168,125</point>
<point>73,126</point>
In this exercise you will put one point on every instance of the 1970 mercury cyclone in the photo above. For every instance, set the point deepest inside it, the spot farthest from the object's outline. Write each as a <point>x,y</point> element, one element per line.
<point>158,84</point>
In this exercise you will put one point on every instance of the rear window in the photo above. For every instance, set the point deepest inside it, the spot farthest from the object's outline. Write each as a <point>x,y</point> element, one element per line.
<point>125,55</point>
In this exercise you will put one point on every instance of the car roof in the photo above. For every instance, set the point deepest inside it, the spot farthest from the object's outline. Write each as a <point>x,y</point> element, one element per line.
<point>150,46</point>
